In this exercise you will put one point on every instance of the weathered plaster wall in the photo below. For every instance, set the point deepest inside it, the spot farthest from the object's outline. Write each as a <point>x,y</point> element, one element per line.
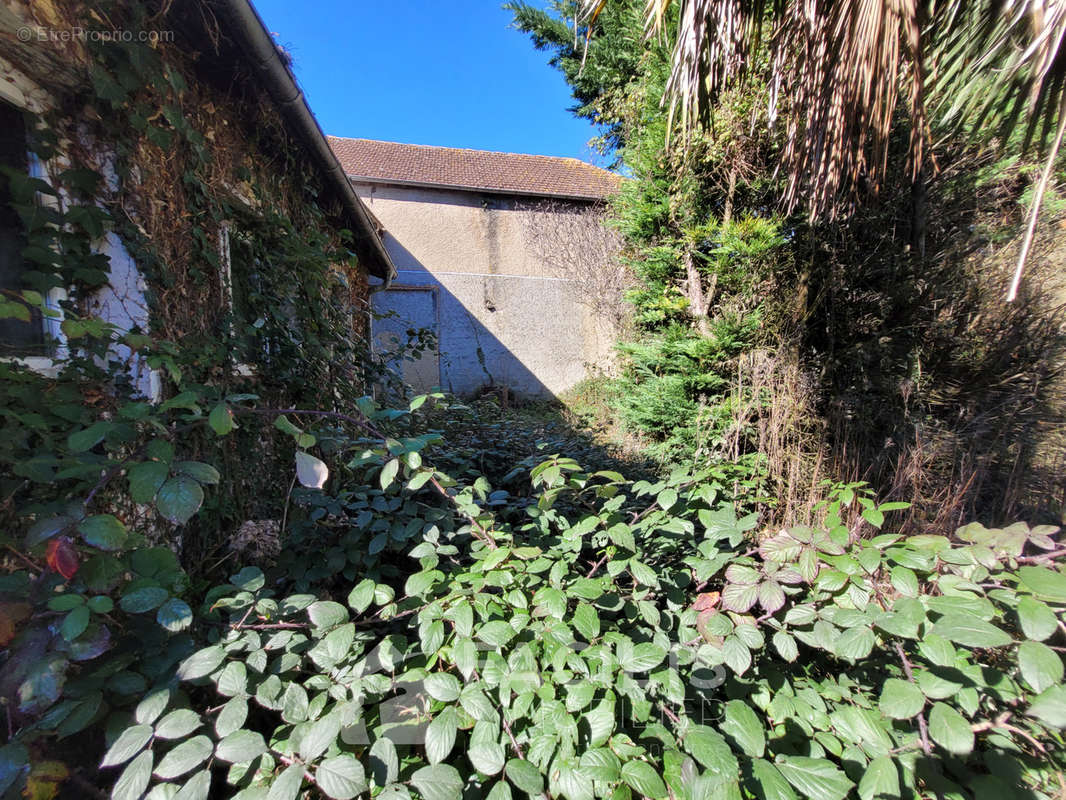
<point>501,316</point>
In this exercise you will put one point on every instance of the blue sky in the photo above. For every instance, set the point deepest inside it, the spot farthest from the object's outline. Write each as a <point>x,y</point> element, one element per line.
<point>439,72</point>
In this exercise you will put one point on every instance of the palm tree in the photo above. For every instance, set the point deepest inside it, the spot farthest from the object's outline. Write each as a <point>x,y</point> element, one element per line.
<point>837,69</point>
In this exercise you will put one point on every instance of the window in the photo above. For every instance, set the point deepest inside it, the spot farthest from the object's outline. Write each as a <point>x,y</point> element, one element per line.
<point>17,337</point>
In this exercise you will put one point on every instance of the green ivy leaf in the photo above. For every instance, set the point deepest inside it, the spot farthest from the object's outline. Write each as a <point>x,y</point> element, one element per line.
<point>950,729</point>
<point>341,777</point>
<point>179,498</point>
<point>438,782</point>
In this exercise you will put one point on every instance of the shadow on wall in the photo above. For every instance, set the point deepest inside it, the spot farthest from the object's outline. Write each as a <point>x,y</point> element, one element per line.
<point>469,355</point>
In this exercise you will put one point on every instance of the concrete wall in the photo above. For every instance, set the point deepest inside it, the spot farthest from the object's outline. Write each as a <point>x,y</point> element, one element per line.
<point>467,270</point>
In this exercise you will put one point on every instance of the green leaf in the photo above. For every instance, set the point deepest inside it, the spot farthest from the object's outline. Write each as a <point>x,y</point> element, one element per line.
<point>440,735</point>
<point>786,646</point>
<point>220,419</point>
<point>524,776</point>
<point>154,704</point>
<point>586,621</point>
<point>486,754</point>
<point>855,644</point>
<point>198,787</point>
<point>901,699</point>
<point>905,582</point>
<point>312,472</point>
<point>145,479</point>
<point>1037,621</point>
<point>202,662</point>
<point>144,599</point>
<point>968,630</point>
<point>198,471</point>
<point>1047,583</point>
<point>177,724</point>
<point>179,498</point>
<point>443,686</point>
<point>744,727</point>
<point>327,614</point>
<point>388,473</point>
<point>384,761</point>
<point>601,764</point>
<point>816,778</point>
<point>287,785</point>
<point>1050,707</point>
<point>88,438</point>
<point>134,778</point>
<point>644,656</point>
<point>771,782</point>
<point>127,745</point>
<point>642,777</point>
<point>231,717</point>
<point>880,779</point>
<point>712,751</point>
<point>240,746</point>
<point>185,757</point>
<point>74,623</point>
<point>46,528</point>
<point>174,615</point>
<point>360,598</point>
<point>341,777</point>
<point>320,736</point>
<point>496,633</point>
<point>438,782</point>
<point>1041,666</point>
<point>950,729</point>
<point>103,531</point>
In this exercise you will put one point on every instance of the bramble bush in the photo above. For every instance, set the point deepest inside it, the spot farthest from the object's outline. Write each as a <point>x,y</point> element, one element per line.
<point>433,636</point>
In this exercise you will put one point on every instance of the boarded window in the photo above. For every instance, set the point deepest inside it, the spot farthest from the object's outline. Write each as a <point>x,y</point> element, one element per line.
<point>17,338</point>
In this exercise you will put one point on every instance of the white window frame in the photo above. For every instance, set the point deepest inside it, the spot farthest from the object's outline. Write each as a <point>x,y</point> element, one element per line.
<point>36,168</point>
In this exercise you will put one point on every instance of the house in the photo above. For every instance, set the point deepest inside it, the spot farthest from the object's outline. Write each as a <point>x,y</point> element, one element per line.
<point>217,208</point>
<point>501,256</point>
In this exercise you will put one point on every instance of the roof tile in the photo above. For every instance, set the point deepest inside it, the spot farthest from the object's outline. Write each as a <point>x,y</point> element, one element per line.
<point>482,170</point>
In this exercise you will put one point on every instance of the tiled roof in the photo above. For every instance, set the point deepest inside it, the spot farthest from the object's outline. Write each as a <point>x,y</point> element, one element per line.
<point>480,170</point>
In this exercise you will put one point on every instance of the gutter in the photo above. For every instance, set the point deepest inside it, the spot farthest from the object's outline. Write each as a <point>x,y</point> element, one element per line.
<point>458,187</point>
<point>260,51</point>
